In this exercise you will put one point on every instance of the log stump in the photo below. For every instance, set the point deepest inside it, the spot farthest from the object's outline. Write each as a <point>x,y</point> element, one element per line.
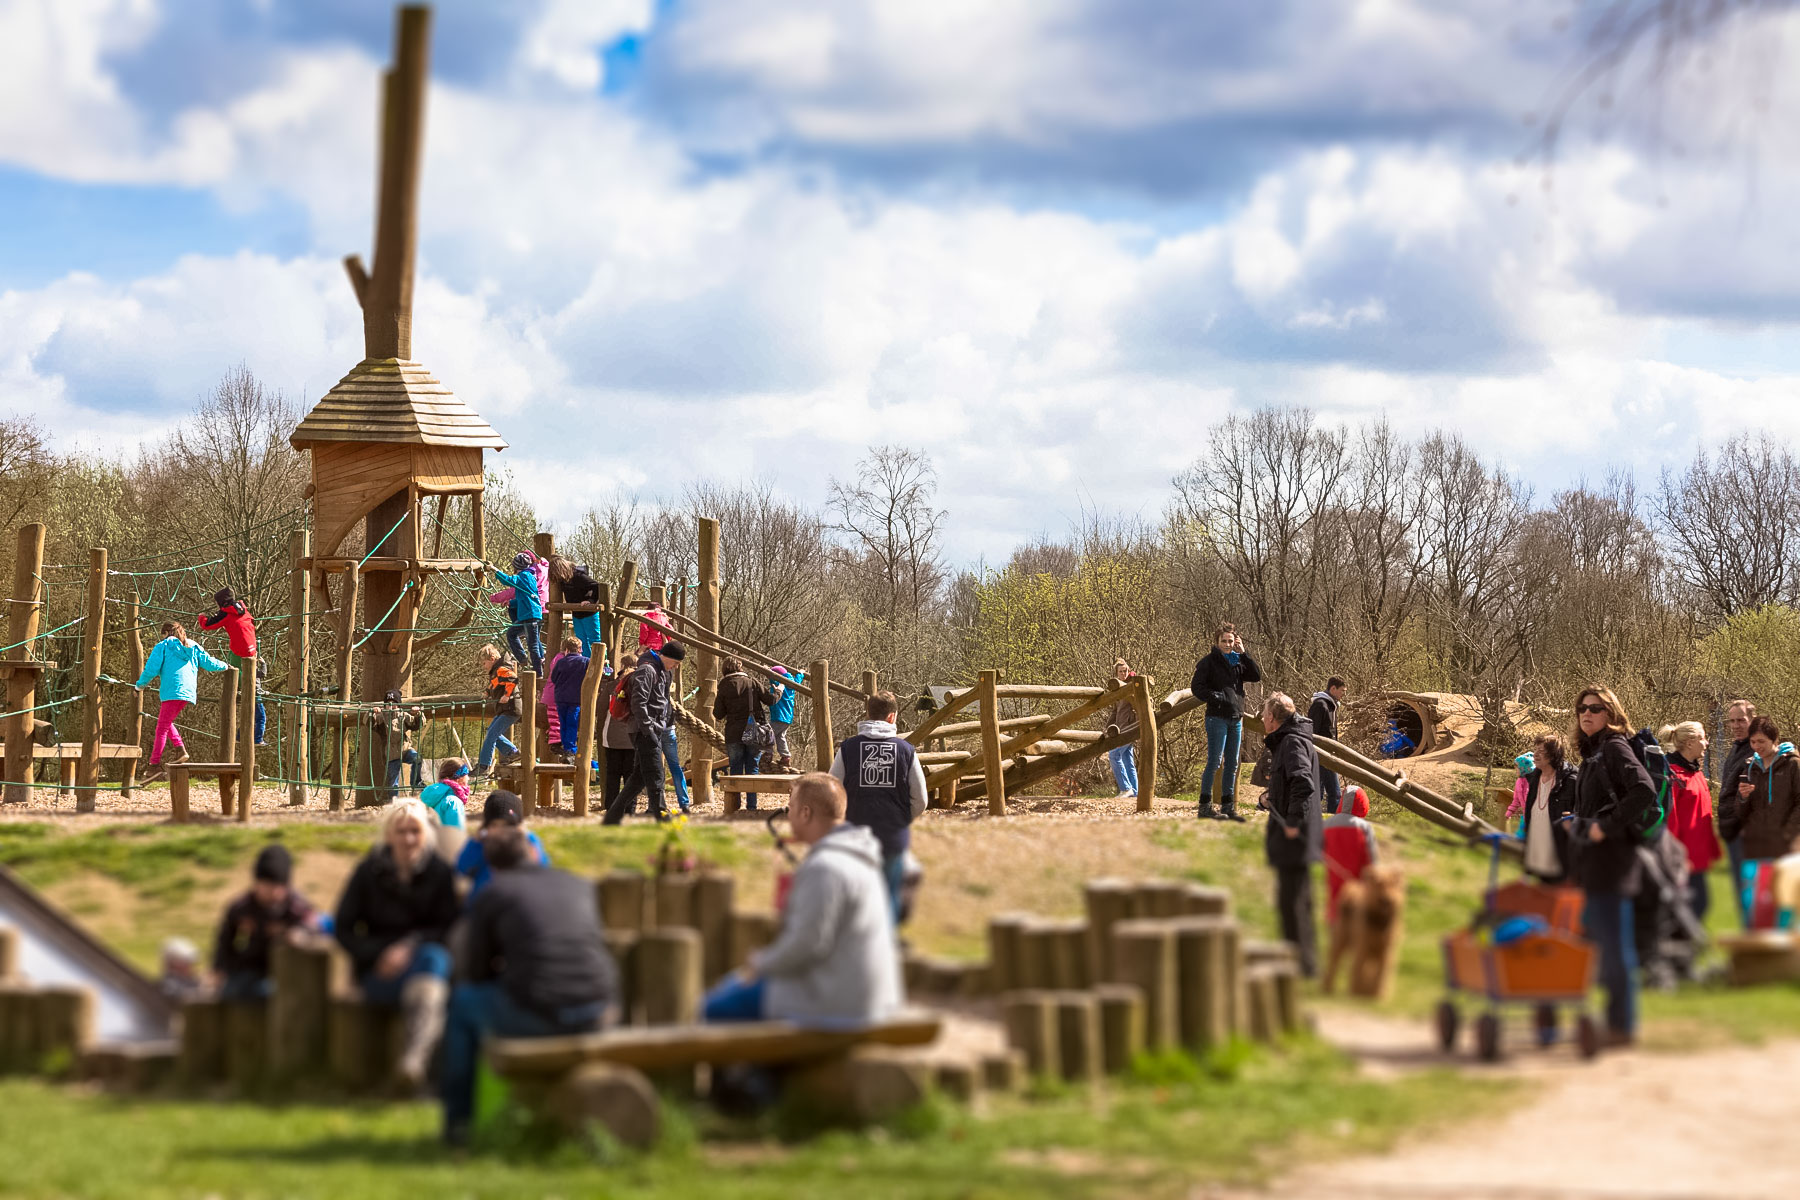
<point>1109,901</point>
<point>1003,950</point>
<point>65,1024</point>
<point>617,1099</point>
<point>714,894</point>
<point>1002,1071</point>
<point>18,1026</point>
<point>1161,898</point>
<point>1264,1005</point>
<point>622,944</point>
<point>300,1010</point>
<point>9,952</point>
<point>1121,1026</point>
<point>1206,979</point>
<point>246,1045</point>
<point>624,900</point>
<point>750,932</point>
<point>668,976</point>
<point>1144,956</point>
<point>1199,900</point>
<point>1070,968</point>
<point>868,1085</point>
<point>1032,1028</point>
<point>1079,1048</point>
<point>202,1056</point>
<point>675,901</point>
<point>363,1043</point>
<point>961,1081</point>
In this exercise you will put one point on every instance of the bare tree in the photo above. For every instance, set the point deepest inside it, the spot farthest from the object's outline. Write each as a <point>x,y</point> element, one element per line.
<point>889,525</point>
<point>1732,516</point>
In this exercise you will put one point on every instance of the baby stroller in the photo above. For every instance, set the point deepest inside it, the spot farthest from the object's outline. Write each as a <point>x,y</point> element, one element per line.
<point>1669,936</point>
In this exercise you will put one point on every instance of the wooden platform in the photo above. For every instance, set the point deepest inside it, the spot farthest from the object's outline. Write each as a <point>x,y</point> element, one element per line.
<point>181,773</point>
<point>757,783</point>
<point>662,1047</point>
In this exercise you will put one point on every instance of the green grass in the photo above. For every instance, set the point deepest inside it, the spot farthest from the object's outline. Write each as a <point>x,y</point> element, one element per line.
<point>1176,1126</point>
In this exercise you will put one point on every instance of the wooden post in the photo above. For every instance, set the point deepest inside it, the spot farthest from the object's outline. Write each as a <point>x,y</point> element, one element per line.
<point>528,723</point>
<point>228,697</point>
<point>818,677</point>
<point>871,682</point>
<point>624,897</point>
<point>178,794</point>
<point>713,895</point>
<point>1109,901</point>
<point>23,615</point>
<point>668,976</point>
<point>340,769</point>
<point>87,775</point>
<point>1147,742</point>
<point>544,545</point>
<point>1080,1051</point>
<point>246,743</point>
<point>1121,1026</point>
<point>706,663</point>
<point>590,722</point>
<point>1144,956</point>
<point>1032,1027</point>
<point>299,631</point>
<point>622,600</point>
<point>299,1010</point>
<point>990,742</point>
<point>134,639</point>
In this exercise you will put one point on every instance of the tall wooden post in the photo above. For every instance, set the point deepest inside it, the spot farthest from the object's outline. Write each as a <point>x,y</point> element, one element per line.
<point>528,727</point>
<point>818,678</point>
<point>544,545</point>
<point>621,609</point>
<point>246,739</point>
<point>299,632</point>
<point>340,769</point>
<point>134,725</point>
<point>871,683</point>
<point>228,699</point>
<point>592,698</point>
<point>988,697</point>
<point>1148,738</point>
<point>22,619</point>
<point>706,663</point>
<point>93,715</point>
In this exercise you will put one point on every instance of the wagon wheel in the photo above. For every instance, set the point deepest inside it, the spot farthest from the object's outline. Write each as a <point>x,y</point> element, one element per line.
<point>1448,1022</point>
<point>1487,1036</point>
<point>1587,1036</point>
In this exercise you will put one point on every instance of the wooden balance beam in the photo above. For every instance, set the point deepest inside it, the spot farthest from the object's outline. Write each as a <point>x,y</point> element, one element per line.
<point>181,773</point>
<point>757,783</point>
<point>68,755</point>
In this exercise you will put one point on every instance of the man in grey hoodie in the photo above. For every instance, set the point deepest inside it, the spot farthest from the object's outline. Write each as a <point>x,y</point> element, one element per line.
<point>835,962</point>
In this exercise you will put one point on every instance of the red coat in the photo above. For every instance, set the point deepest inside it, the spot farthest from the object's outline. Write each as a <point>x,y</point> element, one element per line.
<point>1691,815</point>
<point>240,628</point>
<point>1349,847</point>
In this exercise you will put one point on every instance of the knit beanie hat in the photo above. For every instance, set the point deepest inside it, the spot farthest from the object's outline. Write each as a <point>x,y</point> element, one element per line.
<point>273,865</point>
<point>1526,762</point>
<point>521,560</point>
<point>673,650</point>
<point>503,806</point>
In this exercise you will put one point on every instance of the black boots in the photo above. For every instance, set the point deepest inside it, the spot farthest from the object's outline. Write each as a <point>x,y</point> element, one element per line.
<point>1228,810</point>
<point>1206,811</point>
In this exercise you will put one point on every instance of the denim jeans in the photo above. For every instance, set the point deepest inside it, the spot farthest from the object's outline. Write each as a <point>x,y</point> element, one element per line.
<point>893,873</point>
<point>647,778</point>
<point>429,958</point>
<point>496,739</point>
<point>568,720</point>
<point>742,760</point>
<point>1609,918</point>
<point>1222,739</point>
<point>526,640</point>
<point>1331,790</point>
<point>246,987</point>
<point>262,721</point>
<point>672,759</point>
<point>408,755</point>
<point>734,1000</point>
<point>1124,768</point>
<point>1699,895</point>
<point>481,1010</point>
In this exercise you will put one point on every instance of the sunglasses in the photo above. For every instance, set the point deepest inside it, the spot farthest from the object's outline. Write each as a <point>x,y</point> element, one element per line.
<point>1592,708</point>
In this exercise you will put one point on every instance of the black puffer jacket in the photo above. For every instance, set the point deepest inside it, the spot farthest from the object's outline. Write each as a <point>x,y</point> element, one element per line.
<point>1323,715</point>
<point>1220,682</point>
<point>1613,792</point>
<point>739,697</point>
<point>1293,796</point>
<point>1561,804</point>
<point>1768,820</point>
<point>378,908</point>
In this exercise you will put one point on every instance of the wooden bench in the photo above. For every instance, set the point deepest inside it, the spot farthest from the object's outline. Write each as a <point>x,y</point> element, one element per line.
<point>1761,956</point>
<point>848,1074</point>
<point>180,774</point>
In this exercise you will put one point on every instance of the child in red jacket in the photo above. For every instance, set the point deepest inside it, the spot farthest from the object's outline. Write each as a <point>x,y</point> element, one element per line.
<point>1349,847</point>
<point>240,633</point>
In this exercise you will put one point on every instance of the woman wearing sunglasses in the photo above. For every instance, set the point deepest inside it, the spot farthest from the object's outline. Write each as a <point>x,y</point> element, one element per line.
<point>1613,799</point>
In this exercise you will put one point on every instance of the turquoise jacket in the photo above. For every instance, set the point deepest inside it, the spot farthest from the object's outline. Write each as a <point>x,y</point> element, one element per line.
<point>179,665</point>
<point>527,605</point>
<point>783,710</point>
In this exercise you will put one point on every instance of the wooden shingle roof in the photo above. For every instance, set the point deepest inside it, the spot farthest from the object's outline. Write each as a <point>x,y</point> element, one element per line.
<point>394,401</point>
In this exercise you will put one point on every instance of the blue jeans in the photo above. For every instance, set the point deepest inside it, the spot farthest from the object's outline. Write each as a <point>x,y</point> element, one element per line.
<point>526,639</point>
<point>893,873</point>
<point>246,987</point>
<point>1124,767</point>
<point>262,721</point>
<point>496,739</point>
<point>734,1000</point>
<point>429,958</point>
<point>568,722</point>
<point>408,755</point>
<point>672,756</point>
<point>1609,918</point>
<point>1329,787</point>
<point>742,760</point>
<point>482,1010</point>
<point>1222,739</point>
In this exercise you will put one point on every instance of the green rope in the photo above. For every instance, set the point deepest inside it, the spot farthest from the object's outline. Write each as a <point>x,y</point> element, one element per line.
<point>195,567</point>
<point>382,542</point>
<point>376,627</point>
<point>45,634</point>
<point>39,707</point>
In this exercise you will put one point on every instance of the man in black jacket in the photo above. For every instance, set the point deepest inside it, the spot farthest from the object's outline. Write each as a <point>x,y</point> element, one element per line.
<point>1731,772</point>
<point>1219,680</point>
<point>1324,717</point>
<point>1293,839</point>
<point>652,715</point>
<point>537,967</point>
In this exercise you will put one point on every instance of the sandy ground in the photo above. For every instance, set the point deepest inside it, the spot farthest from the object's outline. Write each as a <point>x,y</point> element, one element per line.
<point>1657,1126</point>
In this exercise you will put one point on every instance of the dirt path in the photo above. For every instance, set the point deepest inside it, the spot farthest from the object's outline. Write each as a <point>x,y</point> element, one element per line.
<point>1721,1123</point>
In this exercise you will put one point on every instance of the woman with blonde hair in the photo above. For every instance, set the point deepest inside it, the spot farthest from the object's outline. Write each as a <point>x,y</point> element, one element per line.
<point>1690,809</point>
<point>1123,717</point>
<point>1614,802</point>
<point>393,920</point>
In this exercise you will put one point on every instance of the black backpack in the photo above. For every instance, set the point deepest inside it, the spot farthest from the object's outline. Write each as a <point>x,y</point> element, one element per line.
<point>1655,761</point>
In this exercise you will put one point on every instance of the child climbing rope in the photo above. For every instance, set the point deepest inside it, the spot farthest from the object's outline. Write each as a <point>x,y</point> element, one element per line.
<point>525,635</point>
<point>240,634</point>
<point>177,663</point>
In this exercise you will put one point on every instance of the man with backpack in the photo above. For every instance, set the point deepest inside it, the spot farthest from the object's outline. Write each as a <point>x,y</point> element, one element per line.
<point>885,782</point>
<point>648,714</point>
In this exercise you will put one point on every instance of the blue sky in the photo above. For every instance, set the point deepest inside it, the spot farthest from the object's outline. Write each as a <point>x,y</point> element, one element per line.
<point>1048,241</point>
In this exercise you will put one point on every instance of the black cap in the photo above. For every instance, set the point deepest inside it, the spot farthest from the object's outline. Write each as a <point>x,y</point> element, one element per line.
<point>273,865</point>
<point>503,806</point>
<point>673,650</point>
<point>392,696</point>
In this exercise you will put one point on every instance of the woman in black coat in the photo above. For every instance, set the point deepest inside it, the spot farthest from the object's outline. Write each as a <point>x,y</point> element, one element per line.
<point>1614,800</point>
<point>1549,798</point>
<point>1219,680</point>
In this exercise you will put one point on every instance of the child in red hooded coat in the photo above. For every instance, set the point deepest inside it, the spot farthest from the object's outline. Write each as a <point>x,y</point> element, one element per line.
<point>240,633</point>
<point>1349,847</point>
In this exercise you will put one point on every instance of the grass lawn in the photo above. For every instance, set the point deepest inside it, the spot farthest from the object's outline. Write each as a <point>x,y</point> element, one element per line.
<point>1155,1136</point>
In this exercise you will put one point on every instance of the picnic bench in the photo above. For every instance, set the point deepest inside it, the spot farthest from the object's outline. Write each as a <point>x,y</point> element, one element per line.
<point>852,1074</point>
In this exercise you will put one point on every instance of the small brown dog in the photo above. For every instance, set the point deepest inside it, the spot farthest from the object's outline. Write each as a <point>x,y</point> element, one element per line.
<point>1367,928</point>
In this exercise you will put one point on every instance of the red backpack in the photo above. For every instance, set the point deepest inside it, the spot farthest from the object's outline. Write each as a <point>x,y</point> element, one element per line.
<point>617,706</point>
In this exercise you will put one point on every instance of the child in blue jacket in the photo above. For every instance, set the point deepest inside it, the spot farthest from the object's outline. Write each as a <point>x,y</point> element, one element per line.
<point>177,662</point>
<point>526,634</point>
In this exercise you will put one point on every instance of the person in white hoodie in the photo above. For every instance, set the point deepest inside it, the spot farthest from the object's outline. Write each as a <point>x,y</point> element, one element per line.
<point>835,963</point>
<point>886,784</point>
